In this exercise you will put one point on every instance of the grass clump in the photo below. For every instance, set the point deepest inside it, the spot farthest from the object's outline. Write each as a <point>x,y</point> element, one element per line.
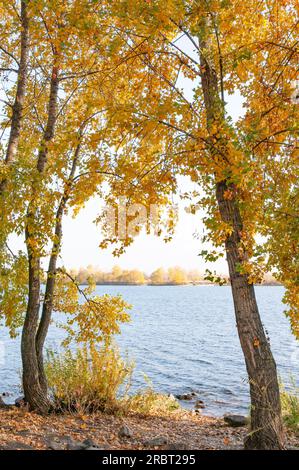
<point>87,380</point>
<point>290,407</point>
<point>91,380</point>
<point>149,402</point>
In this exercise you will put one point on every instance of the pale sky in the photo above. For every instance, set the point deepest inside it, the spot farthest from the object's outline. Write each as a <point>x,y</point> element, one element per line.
<point>148,252</point>
<point>81,236</point>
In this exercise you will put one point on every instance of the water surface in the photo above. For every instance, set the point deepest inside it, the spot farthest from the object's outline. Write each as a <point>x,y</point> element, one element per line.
<point>184,338</point>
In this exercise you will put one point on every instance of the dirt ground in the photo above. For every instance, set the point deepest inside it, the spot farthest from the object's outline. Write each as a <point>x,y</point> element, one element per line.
<point>20,430</point>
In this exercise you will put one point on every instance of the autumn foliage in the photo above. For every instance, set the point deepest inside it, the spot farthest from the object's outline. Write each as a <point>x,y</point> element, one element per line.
<point>93,105</point>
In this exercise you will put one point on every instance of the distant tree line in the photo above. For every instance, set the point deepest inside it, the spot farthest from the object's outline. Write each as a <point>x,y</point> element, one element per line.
<point>172,276</point>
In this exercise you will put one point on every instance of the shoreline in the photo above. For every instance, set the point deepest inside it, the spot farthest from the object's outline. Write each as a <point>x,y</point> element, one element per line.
<point>181,430</point>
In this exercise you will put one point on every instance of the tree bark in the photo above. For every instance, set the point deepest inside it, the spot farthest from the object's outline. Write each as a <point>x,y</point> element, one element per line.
<point>17,109</point>
<point>18,106</point>
<point>47,309</point>
<point>35,391</point>
<point>266,429</point>
<point>34,395</point>
<point>51,121</point>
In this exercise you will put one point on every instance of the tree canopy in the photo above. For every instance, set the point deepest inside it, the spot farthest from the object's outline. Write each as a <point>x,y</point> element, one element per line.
<point>94,104</point>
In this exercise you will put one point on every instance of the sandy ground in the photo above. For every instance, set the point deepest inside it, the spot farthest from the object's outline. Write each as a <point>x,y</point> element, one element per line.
<point>20,429</point>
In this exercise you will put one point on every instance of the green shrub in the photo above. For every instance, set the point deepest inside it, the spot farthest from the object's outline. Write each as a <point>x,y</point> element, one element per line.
<point>87,380</point>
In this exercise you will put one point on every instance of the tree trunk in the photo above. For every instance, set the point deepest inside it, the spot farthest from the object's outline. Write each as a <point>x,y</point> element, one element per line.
<point>51,121</point>
<point>35,390</point>
<point>16,120</point>
<point>45,321</point>
<point>266,430</point>
<point>266,423</point>
<point>51,274</point>
<point>17,109</point>
<point>34,395</point>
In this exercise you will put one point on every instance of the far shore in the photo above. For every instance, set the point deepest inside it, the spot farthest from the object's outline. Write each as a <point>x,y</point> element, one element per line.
<point>168,284</point>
